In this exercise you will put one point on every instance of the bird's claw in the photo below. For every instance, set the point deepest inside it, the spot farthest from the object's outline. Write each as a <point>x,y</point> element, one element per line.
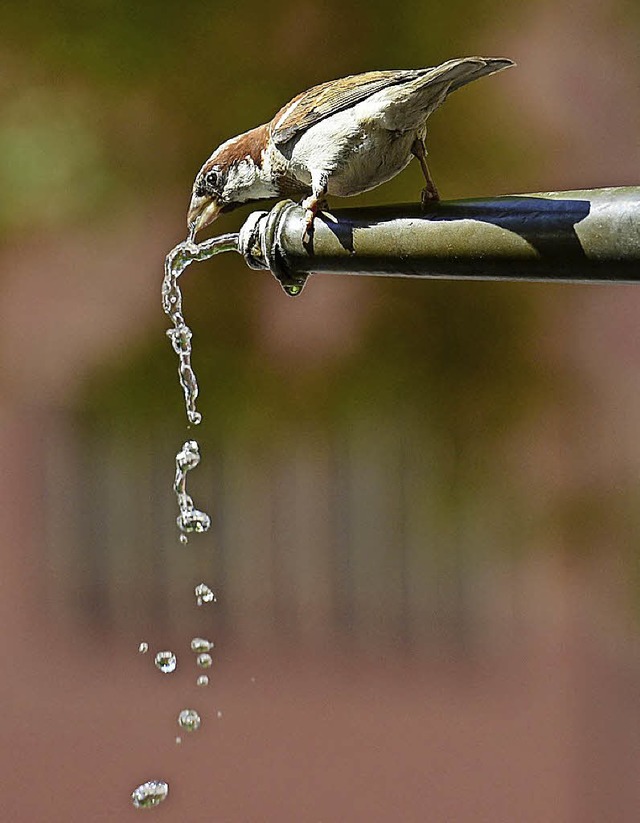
<point>309,217</point>
<point>429,195</point>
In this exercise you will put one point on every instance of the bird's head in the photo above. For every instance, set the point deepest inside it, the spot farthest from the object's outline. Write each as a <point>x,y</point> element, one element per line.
<point>207,197</point>
<point>232,176</point>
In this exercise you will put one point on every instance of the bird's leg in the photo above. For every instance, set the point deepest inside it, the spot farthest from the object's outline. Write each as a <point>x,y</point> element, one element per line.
<point>316,201</point>
<point>429,192</point>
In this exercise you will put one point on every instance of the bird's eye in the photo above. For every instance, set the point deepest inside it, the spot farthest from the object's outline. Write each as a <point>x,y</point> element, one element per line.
<point>209,183</point>
<point>212,180</point>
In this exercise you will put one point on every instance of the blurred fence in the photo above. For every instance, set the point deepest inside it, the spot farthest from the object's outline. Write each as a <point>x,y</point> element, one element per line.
<point>316,540</point>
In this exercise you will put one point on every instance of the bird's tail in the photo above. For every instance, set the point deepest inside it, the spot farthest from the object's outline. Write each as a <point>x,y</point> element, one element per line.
<point>413,101</point>
<point>456,73</point>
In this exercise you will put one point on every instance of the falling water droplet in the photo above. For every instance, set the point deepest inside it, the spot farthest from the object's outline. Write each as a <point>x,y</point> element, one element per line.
<point>219,714</point>
<point>204,594</point>
<point>143,648</point>
<point>178,741</point>
<point>183,539</point>
<point>190,519</point>
<point>166,662</point>
<point>202,680</point>
<point>199,644</point>
<point>189,456</point>
<point>193,520</point>
<point>189,720</point>
<point>204,661</point>
<point>149,794</point>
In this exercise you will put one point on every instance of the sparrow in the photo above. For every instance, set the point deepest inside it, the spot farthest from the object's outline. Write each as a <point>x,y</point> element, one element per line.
<point>339,138</point>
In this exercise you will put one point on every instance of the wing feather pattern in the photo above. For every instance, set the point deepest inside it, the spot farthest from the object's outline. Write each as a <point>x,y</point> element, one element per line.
<point>327,99</point>
<point>322,101</point>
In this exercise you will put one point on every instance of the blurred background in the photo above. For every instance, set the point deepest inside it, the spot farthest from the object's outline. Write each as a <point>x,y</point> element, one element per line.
<point>425,496</point>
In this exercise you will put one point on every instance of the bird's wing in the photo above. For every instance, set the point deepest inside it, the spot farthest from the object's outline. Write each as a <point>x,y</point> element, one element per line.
<point>329,98</point>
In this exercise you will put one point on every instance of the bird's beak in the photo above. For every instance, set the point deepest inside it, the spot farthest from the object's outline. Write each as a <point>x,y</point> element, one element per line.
<point>202,211</point>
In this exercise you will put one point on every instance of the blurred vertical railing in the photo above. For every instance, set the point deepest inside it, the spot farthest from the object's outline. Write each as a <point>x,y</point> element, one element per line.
<point>310,542</point>
<point>317,538</point>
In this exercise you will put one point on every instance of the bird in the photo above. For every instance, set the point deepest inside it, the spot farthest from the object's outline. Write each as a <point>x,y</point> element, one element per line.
<point>341,138</point>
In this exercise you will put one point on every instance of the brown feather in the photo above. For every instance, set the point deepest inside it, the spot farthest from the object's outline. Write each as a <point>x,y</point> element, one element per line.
<point>329,98</point>
<point>322,101</point>
<point>251,144</point>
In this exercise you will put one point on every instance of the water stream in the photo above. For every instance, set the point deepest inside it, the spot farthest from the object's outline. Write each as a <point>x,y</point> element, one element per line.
<point>180,335</point>
<point>190,519</point>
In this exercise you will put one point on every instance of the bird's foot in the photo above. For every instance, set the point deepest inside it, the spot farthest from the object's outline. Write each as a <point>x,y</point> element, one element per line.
<point>429,195</point>
<point>312,206</point>
<point>309,217</point>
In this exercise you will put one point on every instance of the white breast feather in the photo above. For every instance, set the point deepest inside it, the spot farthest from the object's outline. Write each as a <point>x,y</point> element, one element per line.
<point>244,178</point>
<point>354,147</point>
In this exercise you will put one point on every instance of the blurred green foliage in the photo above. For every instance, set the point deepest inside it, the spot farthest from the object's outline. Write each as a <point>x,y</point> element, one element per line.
<point>111,107</point>
<point>108,103</point>
<point>159,84</point>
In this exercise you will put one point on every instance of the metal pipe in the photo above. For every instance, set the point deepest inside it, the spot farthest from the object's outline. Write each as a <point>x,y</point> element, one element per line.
<point>591,235</point>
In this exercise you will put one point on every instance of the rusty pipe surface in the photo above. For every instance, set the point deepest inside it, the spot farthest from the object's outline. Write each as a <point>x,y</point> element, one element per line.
<point>590,235</point>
